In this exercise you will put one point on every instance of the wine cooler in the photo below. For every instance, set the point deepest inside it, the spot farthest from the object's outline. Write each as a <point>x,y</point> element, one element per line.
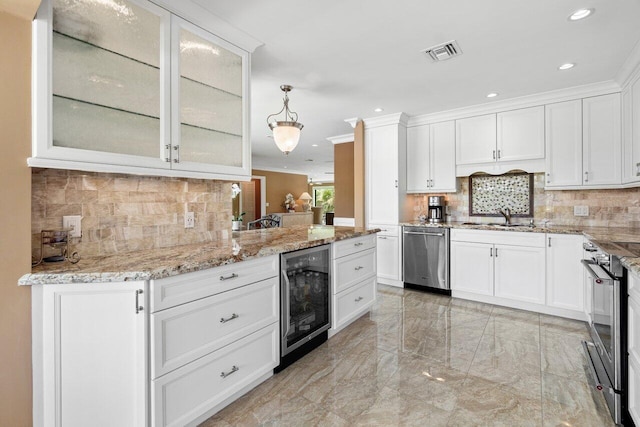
<point>305,289</point>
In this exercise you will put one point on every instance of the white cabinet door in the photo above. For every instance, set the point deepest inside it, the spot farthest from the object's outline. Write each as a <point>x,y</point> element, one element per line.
<point>92,354</point>
<point>565,274</point>
<point>476,140</point>
<point>382,174</point>
<point>628,165</point>
<point>602,140</point>
<point>563,128</point>
<point>472,267</point>
<point>633,323</point>
<point>442,157</point>
<point>419,160</point>
<point>388,258</point>
<point>634,391</point>
<point>520,134</point>
<point>635,128</point>
<point>520,273</point>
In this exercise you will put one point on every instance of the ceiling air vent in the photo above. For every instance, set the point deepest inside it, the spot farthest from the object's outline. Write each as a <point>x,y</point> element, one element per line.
<point>444,51</point>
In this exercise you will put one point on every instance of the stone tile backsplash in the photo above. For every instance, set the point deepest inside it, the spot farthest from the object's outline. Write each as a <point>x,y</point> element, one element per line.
<point>124,213</point>
<point>607,208</point>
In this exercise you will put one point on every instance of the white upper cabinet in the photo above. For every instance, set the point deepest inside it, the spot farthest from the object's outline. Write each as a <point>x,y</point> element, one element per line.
<point>497,143</point>
<point>135,89</point>
<point>385,152</point>
<point>520,134</point>
<point>476,140</point>
<point>602,144</point>
<point>584,145</point>
<point>631,131</point>
<point>564,143</point>
<point>431,158</point>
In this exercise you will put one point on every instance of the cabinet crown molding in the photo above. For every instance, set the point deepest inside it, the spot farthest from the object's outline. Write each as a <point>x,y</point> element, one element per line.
<point>560,95</point>
<point>389,119</point>
<point>341,139</point>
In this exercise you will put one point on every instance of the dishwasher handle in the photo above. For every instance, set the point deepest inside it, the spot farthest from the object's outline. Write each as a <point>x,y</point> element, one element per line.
<point>423,234</point>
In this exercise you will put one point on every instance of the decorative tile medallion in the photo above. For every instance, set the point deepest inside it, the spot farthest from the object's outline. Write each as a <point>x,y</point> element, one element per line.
<point>488,194</point>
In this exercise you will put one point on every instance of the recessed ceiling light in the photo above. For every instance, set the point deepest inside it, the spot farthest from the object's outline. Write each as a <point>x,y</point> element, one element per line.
<point>492,95</point>
<point>566,66</point>
<point>379,110</point>
<point>580,14</point>
<point>314,145</point>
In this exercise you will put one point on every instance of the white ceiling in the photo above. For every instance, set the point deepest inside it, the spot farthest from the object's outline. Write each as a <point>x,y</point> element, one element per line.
<point>347,57</point>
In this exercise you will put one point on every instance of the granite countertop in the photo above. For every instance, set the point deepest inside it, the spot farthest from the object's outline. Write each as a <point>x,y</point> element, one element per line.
<point>604,237</point>
<point>166,262</point>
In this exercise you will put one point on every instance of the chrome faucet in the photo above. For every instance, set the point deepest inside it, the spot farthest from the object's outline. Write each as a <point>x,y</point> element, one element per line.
<point>506,213</point>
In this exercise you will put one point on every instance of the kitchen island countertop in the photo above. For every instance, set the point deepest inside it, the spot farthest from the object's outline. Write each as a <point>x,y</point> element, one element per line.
<point>165,262</point>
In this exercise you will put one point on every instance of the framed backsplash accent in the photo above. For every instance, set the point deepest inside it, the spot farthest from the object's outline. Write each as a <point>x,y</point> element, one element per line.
<point>488,194</point>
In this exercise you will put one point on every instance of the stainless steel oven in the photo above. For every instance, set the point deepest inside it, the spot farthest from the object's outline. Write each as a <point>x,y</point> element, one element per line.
<point>607,352</point>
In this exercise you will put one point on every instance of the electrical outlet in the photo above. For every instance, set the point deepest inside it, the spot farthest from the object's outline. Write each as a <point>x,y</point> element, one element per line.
<point>581,211</point>
<point>189,220</point>
<point>74,222</point>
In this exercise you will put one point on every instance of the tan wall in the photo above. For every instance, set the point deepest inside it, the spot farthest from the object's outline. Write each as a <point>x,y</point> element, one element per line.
<point>343,179</point>
<point>278,185</point>
<point>358,174</point>
<point>15,245</point>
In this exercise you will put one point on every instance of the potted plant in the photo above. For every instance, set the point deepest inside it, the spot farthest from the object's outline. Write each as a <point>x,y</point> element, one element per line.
<point>236,222</point>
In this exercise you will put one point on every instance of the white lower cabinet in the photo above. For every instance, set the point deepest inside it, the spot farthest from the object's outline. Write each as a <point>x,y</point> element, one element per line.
<point>353,286</point>
<point>90,354</point>
<point>192,393</point>
<point>389,255</point>
<point>472,267</point>
<point>565,274</point>
<point>520,273</point>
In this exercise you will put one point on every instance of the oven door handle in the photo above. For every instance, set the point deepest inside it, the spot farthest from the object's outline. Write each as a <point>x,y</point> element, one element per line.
<point>600,277</point>
<point>594,374</point>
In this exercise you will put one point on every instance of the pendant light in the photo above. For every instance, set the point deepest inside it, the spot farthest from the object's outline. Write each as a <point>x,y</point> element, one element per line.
<point>286,133</point>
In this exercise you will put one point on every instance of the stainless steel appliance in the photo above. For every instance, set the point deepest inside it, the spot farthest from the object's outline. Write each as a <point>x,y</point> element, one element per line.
<point>426,258</point>
<point>305,303</point>
<point>436,205</point>
<point>607,353</point>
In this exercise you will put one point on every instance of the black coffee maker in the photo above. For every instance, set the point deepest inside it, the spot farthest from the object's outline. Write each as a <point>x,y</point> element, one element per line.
<point>436,211</point>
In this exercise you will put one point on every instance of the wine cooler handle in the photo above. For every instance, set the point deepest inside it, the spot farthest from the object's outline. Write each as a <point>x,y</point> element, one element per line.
<point>287,304</point>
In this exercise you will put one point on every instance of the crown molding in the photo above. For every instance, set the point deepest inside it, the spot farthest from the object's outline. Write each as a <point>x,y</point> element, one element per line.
<point>389,119</point>
<point>341,139</point>
<point>560,95</point>
<point>630,70</point>
<point>353,121</point>
<point>201,17</point>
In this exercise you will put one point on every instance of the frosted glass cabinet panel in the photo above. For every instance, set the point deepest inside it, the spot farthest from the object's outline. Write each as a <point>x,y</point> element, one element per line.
<point>106,75</point>
<point>126,86</point>
<point>210,94</point>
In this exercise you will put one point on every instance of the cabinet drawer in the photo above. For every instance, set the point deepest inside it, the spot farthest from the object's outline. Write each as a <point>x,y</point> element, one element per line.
<point>351,246</point>
<point>351,269</point>
<point>187,393</point>
<point>355,301</point>
<point>513,238</point>
<point>188,287</point>
<point>184,333</point>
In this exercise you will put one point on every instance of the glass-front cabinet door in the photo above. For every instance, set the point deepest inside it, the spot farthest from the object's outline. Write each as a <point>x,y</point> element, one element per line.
<point>125,86</point>
<point>209,123</point>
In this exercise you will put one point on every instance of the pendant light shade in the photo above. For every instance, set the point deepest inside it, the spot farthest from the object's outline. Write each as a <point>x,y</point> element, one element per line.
<point>286,133</point>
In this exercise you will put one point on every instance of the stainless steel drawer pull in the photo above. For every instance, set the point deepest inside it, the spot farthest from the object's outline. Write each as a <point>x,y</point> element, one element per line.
<point>586,176</point>
<point>359,299</point>
<point>490,251</point>
<point>233,276</point>
<point>139,308</point>
<point>382,237</point>
<point>359,268</point>
<point>234,368</point>
<point>494,154</point>
<point>358,244</point>
<point>549,241</point>
<point>496,252</point>
<point>233,316</point>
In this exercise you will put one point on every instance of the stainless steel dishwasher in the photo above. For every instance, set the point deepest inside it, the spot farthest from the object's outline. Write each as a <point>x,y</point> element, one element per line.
<point>426,258</point>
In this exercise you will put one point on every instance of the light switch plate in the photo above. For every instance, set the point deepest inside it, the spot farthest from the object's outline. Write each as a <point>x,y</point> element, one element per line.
<point>75,223</point>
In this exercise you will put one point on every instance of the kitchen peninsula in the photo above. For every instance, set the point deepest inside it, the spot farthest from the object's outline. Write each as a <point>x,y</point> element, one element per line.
<point>170,336</point>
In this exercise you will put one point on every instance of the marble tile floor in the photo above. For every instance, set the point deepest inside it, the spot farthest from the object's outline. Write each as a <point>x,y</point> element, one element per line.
<point>420,359</point>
